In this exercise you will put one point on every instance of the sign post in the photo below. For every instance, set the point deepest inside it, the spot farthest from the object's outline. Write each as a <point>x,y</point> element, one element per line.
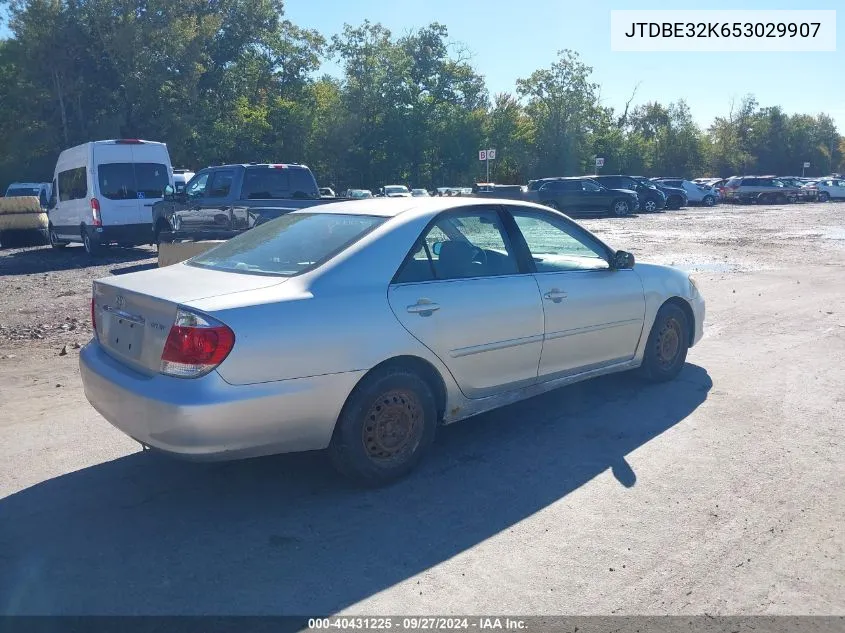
<point>806,166</point>
<point>599,163</point>
<point>487,155</point>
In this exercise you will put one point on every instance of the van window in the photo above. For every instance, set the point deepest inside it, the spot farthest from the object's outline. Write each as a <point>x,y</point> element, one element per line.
<point>73,184</point>
<point>125,181</point>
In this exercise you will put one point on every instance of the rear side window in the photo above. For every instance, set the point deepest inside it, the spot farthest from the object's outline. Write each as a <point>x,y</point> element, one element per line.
<point>125,181</point>
<point>269,183</point>
<point>289,245</point>
<point>73,184</point>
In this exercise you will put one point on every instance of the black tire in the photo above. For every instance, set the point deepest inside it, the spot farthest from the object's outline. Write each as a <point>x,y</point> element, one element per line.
<point>650,206</point>
<point>708,201</point>
<point>668,342</point>
<point>53,239</point>
<point>378,453</point>
<point>824,196</point>
<point>620,208</point>
<point>92,246</point>
<point>552,205</point>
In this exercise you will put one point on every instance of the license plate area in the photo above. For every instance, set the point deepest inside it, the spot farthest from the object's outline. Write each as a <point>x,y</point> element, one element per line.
<point>125,336</point>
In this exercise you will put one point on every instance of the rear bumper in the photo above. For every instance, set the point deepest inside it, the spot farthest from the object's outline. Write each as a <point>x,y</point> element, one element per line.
<point>209,419</point>
<point>135,234</point>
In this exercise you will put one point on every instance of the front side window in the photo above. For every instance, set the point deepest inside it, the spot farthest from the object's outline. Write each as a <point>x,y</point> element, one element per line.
<point>73,184</point>
<point>221,184</point>
<point>196,188</point>
<point>556,245</point>
<point>289,245</point>
<point>460,246</point>
<point>589,185</point>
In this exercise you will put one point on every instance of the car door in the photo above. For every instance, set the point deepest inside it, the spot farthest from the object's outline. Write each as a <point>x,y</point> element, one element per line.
<point>593,314</point>
<point>189,216</point>
<point>216,205</point>
<point>461,293</point>
<point>596,198</point>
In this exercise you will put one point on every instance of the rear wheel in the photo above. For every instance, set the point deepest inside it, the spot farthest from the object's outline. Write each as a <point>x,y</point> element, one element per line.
<point>620,208</point>
<point>650,206</point>
<point>708,201</point>
<point>385,428</point>
<point>824,196</point>
<point>668,342</point>
<point>92,246</point>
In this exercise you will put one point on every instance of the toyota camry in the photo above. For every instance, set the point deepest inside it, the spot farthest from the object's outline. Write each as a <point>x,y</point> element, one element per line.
<point>361,326</point>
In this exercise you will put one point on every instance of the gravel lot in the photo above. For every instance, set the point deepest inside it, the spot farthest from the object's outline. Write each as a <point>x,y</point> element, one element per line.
<point>723,492</point>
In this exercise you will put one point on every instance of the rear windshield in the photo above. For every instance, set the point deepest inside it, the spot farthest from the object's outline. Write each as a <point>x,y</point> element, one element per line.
<point>270,183</point>
<point>289,245</point>
<point>125,181</point>
<point>17,193</point>
<point>395,189</point>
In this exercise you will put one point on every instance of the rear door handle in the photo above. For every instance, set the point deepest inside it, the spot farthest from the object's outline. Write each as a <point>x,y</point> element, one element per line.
<point>423,307</point>
<point>555,295</point>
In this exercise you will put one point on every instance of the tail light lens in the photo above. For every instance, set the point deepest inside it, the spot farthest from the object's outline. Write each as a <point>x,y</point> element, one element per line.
<point>195,345</point>
<point>95,212</point>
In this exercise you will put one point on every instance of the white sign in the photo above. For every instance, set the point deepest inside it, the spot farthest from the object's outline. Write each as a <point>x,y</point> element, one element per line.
<point>482,154</point>
<point>599,162</point>
<point>491,154</point>
<point>806,165</point>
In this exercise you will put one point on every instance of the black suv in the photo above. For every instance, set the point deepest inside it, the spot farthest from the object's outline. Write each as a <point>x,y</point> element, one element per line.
<point>675,196</point>
<point>583,195</point>
<point>650,197</point>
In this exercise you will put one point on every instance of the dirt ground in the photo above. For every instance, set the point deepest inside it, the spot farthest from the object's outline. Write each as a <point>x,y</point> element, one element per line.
<point>721,493</point>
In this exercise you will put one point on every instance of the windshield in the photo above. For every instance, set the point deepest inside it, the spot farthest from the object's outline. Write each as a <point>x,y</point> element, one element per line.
<point>17,193</point>
<point>289,245</point>
<point>395,189</point>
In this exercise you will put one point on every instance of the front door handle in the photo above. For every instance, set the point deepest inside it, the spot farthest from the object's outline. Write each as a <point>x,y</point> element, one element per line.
<point>423,307</point>
<point>555,295</point>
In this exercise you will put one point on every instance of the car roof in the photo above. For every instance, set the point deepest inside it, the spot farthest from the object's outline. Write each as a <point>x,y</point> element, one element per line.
<point>282,165</point>
<point>392,207</point>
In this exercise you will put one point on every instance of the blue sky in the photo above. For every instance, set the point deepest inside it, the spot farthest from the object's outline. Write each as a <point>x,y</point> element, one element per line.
<point>511,39</point>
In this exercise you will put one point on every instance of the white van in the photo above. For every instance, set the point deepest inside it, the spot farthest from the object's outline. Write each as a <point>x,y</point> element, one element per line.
<point>103,193</point>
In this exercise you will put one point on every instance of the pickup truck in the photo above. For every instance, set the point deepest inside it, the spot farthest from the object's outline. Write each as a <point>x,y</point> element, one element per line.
<point>220,202</point>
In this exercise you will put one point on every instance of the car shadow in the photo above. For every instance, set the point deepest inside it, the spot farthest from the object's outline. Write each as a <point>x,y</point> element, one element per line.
<point>46,259</point>
<point>144,534</point>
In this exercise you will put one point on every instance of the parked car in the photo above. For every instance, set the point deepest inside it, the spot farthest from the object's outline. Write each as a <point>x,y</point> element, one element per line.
<point>829,189</point>
<point>103,193</point>
<point>327,192</point>
<point>357,194</point>
<point>582,195</point>
<point>650,198</point>
<point>254,347</point>
<point>696,193</point>
<point>395,191</point>
<point>759,189</point>
<point>221,201</point>
<point>181,178</point>
<point>40,190</point>
<point>675,197</point>
<point>799,184</point>
<point>419,193</point>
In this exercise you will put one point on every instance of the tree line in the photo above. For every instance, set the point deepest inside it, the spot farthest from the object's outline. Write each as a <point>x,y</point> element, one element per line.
<point>224,81</point>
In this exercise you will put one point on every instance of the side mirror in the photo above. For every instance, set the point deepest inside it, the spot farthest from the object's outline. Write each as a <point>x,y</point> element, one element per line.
<point>168,193</point>
<point>436,247</point>
<point>623,260</point>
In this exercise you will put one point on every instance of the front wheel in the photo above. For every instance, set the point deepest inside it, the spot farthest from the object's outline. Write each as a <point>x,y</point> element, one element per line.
<point>650,206</point>
<point>620,208</point>
<point>385,428</point>
<point>824,196</point>
<point>668,342</point>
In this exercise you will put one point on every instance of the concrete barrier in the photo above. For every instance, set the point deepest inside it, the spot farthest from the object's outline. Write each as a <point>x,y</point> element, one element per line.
<point>170,253</point>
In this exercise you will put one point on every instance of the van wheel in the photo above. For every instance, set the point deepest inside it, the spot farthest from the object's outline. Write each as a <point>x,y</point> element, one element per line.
<point>385,428</point>
<point>55,242</point>
<point>92,247</point>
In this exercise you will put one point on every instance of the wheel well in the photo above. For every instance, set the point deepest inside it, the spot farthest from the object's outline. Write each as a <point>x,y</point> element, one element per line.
<point>427,372</point>
<point>683,305</point>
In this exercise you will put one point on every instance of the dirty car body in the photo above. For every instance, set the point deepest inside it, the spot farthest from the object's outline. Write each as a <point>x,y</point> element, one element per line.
<point>488,301</point>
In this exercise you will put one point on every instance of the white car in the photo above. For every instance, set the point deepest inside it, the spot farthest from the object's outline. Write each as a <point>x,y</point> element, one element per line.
<point>362,326</point>
<point>103,193</point>
<point>419,193</point>
<point>829,189</point>
<point>696,193</point>
<point>396,191</point>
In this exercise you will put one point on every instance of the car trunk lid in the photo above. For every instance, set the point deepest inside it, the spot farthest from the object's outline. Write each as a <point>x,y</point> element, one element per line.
<point>134,312</point>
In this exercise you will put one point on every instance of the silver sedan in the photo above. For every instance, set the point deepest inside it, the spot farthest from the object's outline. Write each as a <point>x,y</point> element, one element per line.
<point>362,326</point>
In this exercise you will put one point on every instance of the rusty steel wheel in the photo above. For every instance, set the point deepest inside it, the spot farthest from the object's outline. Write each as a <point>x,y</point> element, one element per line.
<point>393,426</point>
<point>668,342</point>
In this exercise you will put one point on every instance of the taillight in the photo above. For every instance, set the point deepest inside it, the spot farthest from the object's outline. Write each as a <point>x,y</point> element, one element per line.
<point>93,316</point>
<point>195,345</point>
<point>95,212</point>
